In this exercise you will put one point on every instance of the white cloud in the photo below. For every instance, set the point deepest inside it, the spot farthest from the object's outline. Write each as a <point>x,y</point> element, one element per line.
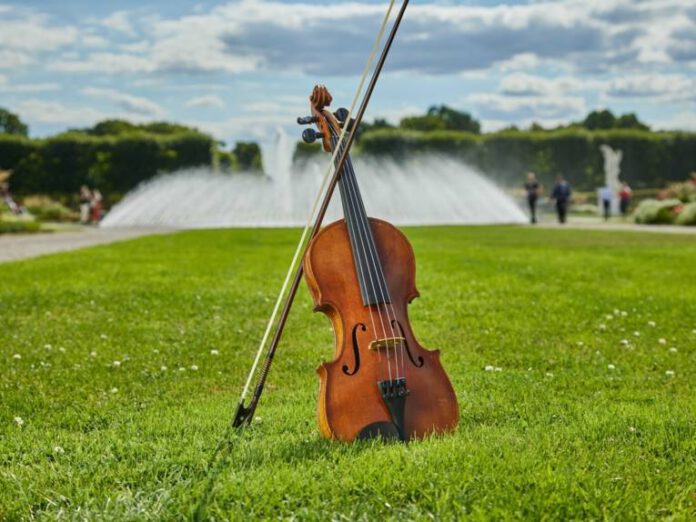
<point>52,112</point>
<point>119,21</point>
<point>31,32</point>
<point>10,59</point>
<point>543,109</point>
<point>6,86</point>
<point>112,63</point>
<point>210,100</point>
<point>127,102</point>
<point>672,87</point>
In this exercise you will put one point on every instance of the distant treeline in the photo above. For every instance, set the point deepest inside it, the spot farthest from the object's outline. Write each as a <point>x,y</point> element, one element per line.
<point>650,159</point>
<point>113,156</point>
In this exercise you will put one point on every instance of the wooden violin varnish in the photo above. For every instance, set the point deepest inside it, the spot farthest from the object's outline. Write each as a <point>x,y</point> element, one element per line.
<point>361,273</point>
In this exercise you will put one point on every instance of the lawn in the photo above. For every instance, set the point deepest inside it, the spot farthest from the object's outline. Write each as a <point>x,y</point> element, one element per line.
<point>120,367</point>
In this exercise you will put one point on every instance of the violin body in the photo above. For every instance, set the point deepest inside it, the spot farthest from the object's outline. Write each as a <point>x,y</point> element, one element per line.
<point>351,405</point>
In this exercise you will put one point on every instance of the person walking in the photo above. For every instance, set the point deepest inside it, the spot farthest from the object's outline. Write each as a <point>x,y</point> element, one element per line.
<point>605,195</point>
<point>96,206</point>
<point>532,188</point>
<point>625,194</point>
<point>561,193</point>
<point>85,204</point>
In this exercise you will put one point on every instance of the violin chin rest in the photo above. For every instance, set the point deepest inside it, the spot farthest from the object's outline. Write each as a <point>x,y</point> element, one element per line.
<point>386,431</point>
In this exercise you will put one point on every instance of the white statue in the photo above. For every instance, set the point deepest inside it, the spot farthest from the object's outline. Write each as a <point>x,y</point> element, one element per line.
<point>612,169</point>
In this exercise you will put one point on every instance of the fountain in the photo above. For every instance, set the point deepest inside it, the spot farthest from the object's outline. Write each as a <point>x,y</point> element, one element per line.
<point>425,190</point>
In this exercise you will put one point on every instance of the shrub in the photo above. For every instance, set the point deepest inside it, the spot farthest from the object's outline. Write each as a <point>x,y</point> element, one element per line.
<point>687,216</point>
<point>10,225</point>
<point>44,208</point>
<point>653,211</point>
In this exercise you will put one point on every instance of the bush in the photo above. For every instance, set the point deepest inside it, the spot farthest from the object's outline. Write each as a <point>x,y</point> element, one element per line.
<point>10,225</point>
<point>653,211</point>
<point>687,216</point>
<point>44,208</point>
<point>584,209</point>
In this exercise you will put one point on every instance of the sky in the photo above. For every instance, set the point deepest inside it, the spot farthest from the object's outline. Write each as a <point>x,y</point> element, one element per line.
<point>241,69</point>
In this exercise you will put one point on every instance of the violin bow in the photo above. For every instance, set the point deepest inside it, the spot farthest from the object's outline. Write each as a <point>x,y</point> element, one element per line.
<point>245,414</point>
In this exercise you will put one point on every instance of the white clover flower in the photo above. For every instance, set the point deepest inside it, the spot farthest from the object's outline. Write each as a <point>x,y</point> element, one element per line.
<point>489,368</point>
<point>182,369</point>
<point>611,366</point>
<point>103,336</point>
<point>549,374</point>
<point>92,354</point>
<point>617,311</point>
<point>602,326</point>
<point>155,350</point>
<point>114,390</point>
<point>61,349</point>
<point>651,323</point>
<point>624,342</point>
<point>194,368</point>
<point>580,343</point>
<point>116,364</point>
<point>662,340</point>
<point>672,350</point>
<point>17,356</point>
<point>693,331</point>
<point>214,352</point>
<point>19,421</point>
<point>48,346</point>
<point>624,314</point>
<point>609,317</point>
<point>163,368</point>
<point>637,334</point>
<point>497,369</point>
<point>631,429</point>
<point>669,373</point>
<point>58,450</point>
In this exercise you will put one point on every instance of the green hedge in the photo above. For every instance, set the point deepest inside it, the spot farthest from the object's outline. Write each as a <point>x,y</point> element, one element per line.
<point>114,164</point>
<point>650,159</point>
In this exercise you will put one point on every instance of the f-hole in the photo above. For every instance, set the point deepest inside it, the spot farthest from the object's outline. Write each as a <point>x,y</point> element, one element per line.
<point>417,363</point>
<point>356,350</point>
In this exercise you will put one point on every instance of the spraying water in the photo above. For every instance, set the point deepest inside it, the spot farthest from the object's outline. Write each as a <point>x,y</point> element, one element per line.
<point>427,190</point>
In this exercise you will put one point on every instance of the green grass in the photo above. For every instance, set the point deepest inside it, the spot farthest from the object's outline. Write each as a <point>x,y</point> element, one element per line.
<point>556,434</point>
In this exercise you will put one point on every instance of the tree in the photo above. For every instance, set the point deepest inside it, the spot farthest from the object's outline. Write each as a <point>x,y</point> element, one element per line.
<point>11,124</point>
<point>454,119</point>
<point>630,121</point>
<point>248,156</point>
<point>442,117</point>
<point>599,120</point>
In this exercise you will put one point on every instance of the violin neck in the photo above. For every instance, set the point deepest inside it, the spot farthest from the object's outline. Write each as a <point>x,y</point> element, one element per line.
<point>373,287</point>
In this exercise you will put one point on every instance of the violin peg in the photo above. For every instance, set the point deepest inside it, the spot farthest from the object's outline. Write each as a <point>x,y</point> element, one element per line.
<point>341,114</point>
<point>310,135</point>
<point>307,120</point>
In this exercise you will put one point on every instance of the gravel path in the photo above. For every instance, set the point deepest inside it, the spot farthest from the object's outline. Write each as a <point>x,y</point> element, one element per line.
<point>21,246</point>
<point>626,227</point>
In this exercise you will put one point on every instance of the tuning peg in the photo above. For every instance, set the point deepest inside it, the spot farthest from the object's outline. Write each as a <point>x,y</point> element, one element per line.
<point>310,135</point>
<point>307,120</point>
<point>341,114</point>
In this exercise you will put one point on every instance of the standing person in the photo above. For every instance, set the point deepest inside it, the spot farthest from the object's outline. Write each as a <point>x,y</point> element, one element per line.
<point>625,194</point>
<point>96,206</point>
<point>605,196</point>
<point>561,193</point>
<point>85,202</point>
<point>532,188</point>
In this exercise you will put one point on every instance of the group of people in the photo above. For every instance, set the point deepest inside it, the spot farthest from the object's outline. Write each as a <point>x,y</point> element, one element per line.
<point>561,194</point>
<point>624,194</point>
<point>90,205</point>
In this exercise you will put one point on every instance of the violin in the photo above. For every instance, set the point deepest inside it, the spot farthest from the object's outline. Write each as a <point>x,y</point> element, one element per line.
<point>361,274</point>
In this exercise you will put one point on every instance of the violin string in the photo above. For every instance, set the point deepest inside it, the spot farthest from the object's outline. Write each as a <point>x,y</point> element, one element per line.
<point>376,263</point>
<point>315,206</point>
<point>351,196</point>
<point>351,226</point>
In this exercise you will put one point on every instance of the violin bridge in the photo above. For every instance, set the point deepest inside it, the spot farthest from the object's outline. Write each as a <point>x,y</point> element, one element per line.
<point>387,343</point>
